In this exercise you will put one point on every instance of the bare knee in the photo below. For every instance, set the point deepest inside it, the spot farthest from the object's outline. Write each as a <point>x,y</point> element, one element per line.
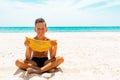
<point>60,59</point>
<point>18,63</point>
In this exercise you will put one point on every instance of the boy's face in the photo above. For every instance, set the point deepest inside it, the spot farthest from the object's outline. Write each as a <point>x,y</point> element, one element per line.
<point>40,29</point>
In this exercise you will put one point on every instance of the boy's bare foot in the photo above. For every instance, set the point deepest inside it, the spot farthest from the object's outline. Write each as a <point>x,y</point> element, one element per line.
<point>31,70</point>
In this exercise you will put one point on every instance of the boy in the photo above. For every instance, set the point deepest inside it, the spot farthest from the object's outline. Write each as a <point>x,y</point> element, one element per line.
<point>38,62</point>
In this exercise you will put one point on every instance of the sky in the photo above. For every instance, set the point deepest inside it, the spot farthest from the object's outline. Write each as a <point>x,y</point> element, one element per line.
<point>60,12</point>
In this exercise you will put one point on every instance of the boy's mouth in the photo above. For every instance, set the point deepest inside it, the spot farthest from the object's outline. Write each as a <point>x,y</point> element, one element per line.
<point>40,33</point>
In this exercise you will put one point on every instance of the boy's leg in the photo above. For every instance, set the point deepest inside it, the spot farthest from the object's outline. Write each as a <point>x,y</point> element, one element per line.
<point>50,64</point>
<point>21,64</point>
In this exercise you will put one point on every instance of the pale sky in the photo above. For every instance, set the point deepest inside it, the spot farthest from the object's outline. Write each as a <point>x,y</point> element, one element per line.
<point>60,12</point>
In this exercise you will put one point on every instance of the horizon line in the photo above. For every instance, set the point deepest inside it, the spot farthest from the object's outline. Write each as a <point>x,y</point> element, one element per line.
<point>70,26</point>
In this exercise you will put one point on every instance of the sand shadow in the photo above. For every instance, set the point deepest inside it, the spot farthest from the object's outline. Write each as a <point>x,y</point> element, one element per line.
<point>51,73</point>
<point>47,75</point>
<point>22,74</point>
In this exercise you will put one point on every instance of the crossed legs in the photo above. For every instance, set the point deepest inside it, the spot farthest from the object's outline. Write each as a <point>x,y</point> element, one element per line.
<point>31,66</point>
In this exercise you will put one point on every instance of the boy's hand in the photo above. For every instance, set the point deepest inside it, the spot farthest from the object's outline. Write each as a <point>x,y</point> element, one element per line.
<point>26,43</point>
<point>53,59</point>
<point>53,43</point>
<point>26,61</point>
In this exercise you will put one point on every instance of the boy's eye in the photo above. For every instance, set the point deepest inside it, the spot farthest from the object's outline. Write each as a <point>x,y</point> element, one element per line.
<point>40,28</point>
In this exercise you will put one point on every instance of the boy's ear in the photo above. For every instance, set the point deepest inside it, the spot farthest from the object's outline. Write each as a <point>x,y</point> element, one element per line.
<point>34,29</point>
<point>46,29</point>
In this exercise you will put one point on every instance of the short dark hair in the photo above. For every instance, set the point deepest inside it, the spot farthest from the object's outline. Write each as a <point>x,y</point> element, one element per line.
<point>40,20</point>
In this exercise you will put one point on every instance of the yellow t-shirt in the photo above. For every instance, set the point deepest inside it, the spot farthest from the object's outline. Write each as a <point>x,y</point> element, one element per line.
<point>39,45</point>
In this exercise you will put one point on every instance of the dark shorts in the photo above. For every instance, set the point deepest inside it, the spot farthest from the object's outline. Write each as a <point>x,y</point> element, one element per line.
<point>40,61</point>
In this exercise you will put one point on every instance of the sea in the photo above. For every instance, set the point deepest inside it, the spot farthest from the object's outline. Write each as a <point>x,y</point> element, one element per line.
<point>29,29</point>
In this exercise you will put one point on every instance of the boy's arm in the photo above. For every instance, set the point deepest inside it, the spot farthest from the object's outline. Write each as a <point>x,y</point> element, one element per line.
<point>53,49</point>
<point>28,51</point>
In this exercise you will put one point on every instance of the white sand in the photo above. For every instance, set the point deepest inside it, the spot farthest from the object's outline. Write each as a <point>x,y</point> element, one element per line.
<point>88,56</point>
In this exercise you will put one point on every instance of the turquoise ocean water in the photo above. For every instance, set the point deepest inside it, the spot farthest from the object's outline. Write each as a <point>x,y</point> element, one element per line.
<point>25,29</point>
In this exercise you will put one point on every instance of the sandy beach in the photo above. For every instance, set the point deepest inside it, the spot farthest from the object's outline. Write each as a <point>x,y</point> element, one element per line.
<point>88,56</point>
